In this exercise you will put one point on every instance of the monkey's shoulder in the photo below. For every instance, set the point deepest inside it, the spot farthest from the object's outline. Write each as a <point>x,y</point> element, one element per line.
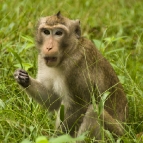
<point>89,48</point>
<point>88,45</point>
<point>86,42</point>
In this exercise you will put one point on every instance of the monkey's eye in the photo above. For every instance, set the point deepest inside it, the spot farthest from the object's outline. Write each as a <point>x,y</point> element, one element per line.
<point>45,31</point>
<point>59,33</point>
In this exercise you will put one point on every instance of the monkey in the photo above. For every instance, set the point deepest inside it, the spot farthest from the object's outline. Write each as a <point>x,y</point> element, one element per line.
<point>73,73</point>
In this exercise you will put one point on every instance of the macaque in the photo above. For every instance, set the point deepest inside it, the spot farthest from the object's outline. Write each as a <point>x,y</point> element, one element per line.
<point>72,73</point>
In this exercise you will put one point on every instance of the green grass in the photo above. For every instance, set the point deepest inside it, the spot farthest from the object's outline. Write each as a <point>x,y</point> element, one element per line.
<point>116,27</point>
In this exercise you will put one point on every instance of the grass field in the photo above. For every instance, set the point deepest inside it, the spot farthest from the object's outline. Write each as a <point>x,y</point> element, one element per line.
<point>116,27</point>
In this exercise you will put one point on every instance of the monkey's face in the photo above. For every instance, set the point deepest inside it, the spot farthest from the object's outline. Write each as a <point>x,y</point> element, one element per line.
<point>55,38</point>
<point>51,38</point>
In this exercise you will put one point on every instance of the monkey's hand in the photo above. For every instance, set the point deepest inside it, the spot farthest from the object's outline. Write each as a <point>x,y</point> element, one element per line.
<point>22,77</point>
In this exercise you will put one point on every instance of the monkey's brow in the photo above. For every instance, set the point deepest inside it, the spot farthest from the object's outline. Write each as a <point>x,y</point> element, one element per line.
<point>59,26</point>
<point>52,24</point>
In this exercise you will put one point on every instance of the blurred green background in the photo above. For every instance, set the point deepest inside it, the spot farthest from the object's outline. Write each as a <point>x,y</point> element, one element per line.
<point>114,26</point>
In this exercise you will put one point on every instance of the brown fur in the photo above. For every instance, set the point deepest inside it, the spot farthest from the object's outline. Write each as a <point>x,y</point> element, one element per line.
<point>79,73</point>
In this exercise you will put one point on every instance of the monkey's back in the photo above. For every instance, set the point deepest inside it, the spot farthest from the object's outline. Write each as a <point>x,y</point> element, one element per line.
<point>96,78</point>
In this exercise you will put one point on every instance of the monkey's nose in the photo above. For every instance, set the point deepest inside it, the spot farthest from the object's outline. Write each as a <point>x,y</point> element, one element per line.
<point>49,49</point>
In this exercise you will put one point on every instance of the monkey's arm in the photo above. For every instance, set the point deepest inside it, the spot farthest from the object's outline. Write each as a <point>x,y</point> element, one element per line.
<point>36,90</point>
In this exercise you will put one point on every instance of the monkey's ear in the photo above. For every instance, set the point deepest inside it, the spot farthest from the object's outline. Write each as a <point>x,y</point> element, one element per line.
<point>58,14</point>
<point>77,28</point>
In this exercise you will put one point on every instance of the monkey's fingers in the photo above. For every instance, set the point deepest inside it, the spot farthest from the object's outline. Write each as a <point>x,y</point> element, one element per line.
<point>22,77</point>
<point>22,71</point>
<point>19,71</point>
<point>23,80</point>
<point>24,74</point>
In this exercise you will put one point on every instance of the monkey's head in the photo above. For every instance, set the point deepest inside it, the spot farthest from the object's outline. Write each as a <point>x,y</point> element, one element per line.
<point>57,36</point>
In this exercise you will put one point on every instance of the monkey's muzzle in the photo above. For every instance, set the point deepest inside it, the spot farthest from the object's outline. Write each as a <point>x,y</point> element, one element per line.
<point>50,59</point>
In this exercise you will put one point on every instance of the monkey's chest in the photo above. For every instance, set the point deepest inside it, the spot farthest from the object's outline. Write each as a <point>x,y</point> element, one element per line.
<point>54,81</point>
<point>60,87</point>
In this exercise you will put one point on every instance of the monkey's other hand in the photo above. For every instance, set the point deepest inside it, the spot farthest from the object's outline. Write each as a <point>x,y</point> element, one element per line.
<point>22,77</point>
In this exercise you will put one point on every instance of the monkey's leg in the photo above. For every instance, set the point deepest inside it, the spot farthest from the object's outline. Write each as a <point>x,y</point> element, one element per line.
<point>90,123</point>
<point>93,124</point>
<point>72,119</point>
<point>111,124</point>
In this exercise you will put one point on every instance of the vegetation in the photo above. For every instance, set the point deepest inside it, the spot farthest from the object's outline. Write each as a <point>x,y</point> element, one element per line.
<point>116,27</point>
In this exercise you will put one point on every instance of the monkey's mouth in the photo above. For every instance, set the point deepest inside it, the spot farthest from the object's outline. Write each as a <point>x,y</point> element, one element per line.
<point>50,59</point>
